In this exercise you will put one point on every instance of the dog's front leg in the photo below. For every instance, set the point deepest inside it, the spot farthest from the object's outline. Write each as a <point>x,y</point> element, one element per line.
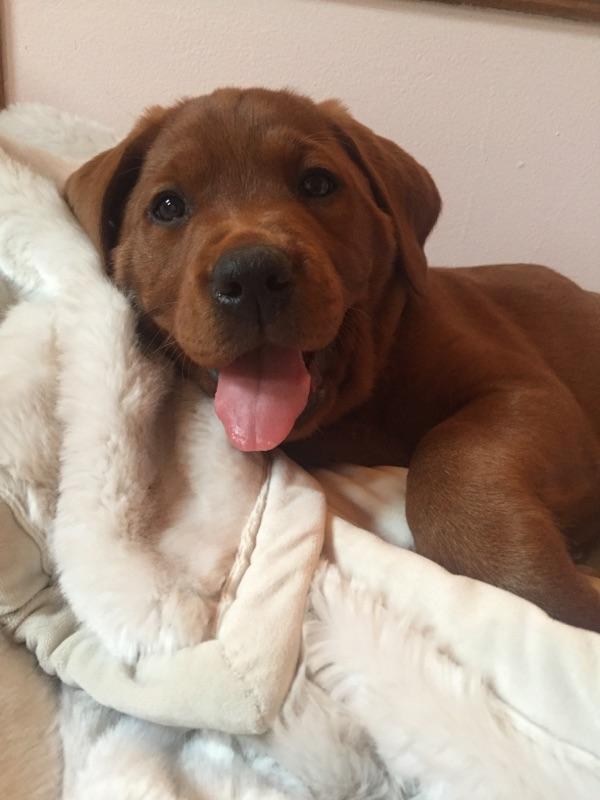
<point>493,490</point>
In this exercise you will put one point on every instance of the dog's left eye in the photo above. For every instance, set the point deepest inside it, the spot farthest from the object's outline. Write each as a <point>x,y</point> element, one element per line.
<point>168,207</point>
<point>317,183</point>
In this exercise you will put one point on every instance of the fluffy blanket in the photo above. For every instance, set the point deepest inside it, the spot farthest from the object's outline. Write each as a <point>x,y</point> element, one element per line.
<point>220,624</point>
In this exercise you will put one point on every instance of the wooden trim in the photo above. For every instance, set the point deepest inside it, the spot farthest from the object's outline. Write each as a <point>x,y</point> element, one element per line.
<point>581,10</point>
<point>2,53</point>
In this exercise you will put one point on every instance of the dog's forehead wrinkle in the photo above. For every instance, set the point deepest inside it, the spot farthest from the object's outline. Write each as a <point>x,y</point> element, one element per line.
<point>242,168</point>
<point>250,113</point>
<point>230,136</point>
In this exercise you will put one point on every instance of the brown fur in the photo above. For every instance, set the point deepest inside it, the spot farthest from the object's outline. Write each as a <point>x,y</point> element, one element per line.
<point>486,381</point>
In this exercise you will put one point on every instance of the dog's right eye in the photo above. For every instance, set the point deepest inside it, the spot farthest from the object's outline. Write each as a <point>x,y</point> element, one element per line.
<point>167,208</point>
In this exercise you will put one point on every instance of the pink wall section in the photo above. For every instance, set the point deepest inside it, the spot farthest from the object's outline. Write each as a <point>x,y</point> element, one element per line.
<point>503,108</point>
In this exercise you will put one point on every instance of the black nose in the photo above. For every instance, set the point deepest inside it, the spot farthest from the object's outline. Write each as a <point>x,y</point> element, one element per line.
<point>253,282</point>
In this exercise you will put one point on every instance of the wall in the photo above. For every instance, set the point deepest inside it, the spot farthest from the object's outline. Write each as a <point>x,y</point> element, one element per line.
<point>503,108</point>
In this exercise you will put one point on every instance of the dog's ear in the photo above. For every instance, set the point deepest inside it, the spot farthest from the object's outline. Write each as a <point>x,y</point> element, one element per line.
<point>401,187</point>
<point>98,191</point>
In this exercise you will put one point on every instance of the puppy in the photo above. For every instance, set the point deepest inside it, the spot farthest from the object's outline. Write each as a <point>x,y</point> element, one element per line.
<point>274,247</point>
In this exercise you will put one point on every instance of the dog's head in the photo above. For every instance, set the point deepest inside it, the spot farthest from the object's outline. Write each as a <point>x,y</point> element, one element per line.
<point>270,242</point>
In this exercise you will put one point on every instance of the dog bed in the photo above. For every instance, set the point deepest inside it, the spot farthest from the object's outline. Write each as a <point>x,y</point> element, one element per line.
<point>204,623</point>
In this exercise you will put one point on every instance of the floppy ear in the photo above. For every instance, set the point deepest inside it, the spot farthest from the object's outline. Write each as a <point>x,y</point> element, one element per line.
<point>402,188</point>
<point>98,191</point>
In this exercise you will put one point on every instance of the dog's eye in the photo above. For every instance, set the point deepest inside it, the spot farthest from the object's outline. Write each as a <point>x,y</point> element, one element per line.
<point>168,207</point>
<point>317,183</point>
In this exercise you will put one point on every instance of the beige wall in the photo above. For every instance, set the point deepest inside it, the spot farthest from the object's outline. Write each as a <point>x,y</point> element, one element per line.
<point>504,109</point>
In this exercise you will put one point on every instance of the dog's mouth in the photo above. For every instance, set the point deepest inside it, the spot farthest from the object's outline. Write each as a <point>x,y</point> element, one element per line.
<point>261,395</point>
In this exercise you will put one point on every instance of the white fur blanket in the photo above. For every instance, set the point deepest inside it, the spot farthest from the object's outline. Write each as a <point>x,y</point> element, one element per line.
<point>227,625</point>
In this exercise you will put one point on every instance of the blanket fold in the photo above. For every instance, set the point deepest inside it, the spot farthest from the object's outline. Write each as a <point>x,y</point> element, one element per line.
<point>176,651</point>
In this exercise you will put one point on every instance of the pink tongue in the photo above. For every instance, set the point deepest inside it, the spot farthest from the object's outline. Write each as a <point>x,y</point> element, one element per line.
<point>260,396</point>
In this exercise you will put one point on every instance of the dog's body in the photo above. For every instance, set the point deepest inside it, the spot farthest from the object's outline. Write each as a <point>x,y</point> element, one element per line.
<point>492,396</point>
<point>281,243</point>
<point>478,330</point>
